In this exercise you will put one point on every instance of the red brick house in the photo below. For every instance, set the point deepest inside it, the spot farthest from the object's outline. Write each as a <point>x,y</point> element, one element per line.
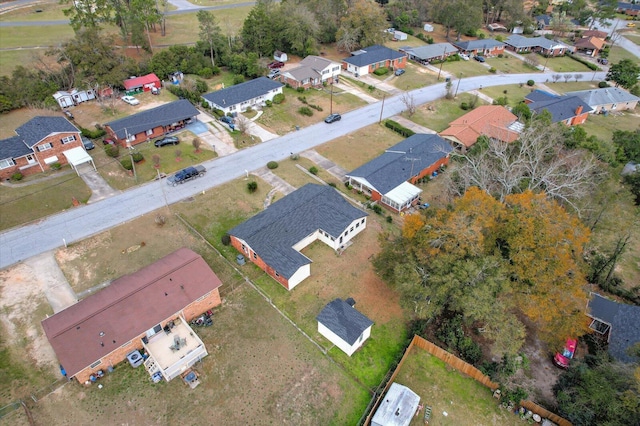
<point>590,45</point>
<point>152,123</point>
<point>369,59</point>
<point>568,109</point>
<point>40,143</point>
<point>484,47</point>
<point>273,238</point>
<point>390,178</point>
<point>134,311</point>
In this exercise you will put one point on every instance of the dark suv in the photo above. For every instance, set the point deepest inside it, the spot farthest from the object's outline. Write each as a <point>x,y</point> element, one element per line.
<point>169,140</point>
<point>332,118</point>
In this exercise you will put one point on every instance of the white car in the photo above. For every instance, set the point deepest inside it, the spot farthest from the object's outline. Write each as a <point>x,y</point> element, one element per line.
<point>463,56</point>
<point>130,100</point>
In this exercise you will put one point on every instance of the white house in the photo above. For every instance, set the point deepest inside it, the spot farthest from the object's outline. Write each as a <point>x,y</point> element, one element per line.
<point>397,408</point>
<point>312,71</point>
<point>238,98</point>
<point>343,325</point>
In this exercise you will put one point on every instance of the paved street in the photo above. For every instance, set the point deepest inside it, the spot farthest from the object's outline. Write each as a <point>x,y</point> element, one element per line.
<point>81,222</point>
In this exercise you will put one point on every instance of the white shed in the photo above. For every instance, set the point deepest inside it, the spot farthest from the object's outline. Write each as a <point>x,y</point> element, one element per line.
<point>397,408</point>
<point>399,35</point>
<point>280,56</point>
<point>343,325</point>
<point>428,28</point>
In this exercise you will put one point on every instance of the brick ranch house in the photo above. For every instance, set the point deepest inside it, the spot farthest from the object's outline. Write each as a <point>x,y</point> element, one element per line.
<point>152,123</point>
<point>485,47</point>
<point>390,178</point>
<point>273,238</point>
<point>133,312</point>
<point>570,110</point>
<point>39,143</point>
<point>369,59</point>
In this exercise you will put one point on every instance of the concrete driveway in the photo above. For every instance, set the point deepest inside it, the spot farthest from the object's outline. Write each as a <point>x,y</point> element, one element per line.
<point>100,189</point>
<point>52,281</point>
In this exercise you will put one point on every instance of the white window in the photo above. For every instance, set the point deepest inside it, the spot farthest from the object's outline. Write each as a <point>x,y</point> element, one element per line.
<point>149,132</point>
<point>131,138</point>
<point>45,147</point>
<point>30,159</point>
<point>67,139</point>
<point>6,163</point>
<point>277,274</point>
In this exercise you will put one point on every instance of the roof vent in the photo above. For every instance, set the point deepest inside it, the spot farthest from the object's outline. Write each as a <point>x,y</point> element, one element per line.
<point>351,302</point>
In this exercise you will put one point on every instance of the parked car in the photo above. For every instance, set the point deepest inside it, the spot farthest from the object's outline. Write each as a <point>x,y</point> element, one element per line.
<point>108,142</point>
<point>273,73</point>
<point>169,140</point>
<point>423,206</point>
<point>631,25</point>
<point>333,117</point>
<point>563,359</point>
<point>463,56</point>
<point>275,64</point>
<point>603,61</point>
<point>479,58</point>
<point>88,145</point>
<point>68,114</point>
<point>130,100</point>
<point>399,72</point>
<point>155,91</point>
<point>186,175</point>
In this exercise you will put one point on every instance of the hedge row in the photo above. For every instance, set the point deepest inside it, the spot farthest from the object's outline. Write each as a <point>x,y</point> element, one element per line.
<point>589,65</point>
<point>399,128</point>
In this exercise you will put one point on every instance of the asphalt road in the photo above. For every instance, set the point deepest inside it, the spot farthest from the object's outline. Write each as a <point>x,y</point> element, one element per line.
<point>81,222</point>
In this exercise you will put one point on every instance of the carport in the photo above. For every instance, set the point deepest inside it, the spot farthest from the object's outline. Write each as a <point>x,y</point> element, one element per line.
<point>78,156</point>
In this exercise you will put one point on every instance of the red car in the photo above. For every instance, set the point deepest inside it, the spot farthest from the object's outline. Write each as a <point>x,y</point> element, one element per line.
<point>563,359</point>
<point>275,64</point>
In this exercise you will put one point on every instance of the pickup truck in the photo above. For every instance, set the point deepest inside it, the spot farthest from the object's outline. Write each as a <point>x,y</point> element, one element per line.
<point>186,175</point>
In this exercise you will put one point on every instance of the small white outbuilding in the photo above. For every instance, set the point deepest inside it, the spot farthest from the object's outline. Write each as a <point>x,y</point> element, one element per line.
<point>428,28</point>
<point>399,35</point>
<point>343,325</point>
<point>397,408</point>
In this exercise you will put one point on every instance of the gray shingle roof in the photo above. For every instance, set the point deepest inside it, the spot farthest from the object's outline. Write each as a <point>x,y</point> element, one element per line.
<point>540,95</point>
<point>346,322</point>
<point>546,19</point>
<point>373,55</point>
<point>273,232</point>
<point>38,128</point>
<point>561,108</point>
<point>487,43</point>
<point>13,147</point>
<point>519,41</point>
<point>430,51</point>
<point>403,161</point>
<point>624,321</point>
<point>160,116</point>
<point>604,96</point>
<point>628,6</point>
<point>242,92</point>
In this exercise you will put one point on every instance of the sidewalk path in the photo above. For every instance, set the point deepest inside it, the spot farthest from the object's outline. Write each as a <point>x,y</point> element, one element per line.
<point>411,125</point>
<point>279,184</point>
<point>326,164</point>
<point>348,87</point>
<point>481,96</point>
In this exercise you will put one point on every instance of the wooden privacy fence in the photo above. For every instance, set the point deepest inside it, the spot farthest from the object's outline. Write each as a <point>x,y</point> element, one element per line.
<point>465,368</point>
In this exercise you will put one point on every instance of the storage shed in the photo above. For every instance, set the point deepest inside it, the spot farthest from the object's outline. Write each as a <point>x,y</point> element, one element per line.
<point>399,35</point>
<point>280,56</point>
<point>428,28</point>
<point>397,407</point>
<point>343,325</point>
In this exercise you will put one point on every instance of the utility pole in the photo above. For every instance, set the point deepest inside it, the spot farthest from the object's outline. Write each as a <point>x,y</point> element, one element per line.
<point>331,99</point>
<point>381,109</point>
<point>458,85</point>
<point>133,164</point>
<point>444,54</point>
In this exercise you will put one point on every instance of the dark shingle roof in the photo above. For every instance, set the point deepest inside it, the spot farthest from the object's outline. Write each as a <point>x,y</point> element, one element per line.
<point>487,43</point>
<point>160,116</point>
<point>624,321</point>
<point>372,55</point>
<point>273,232</point>
<point>403,161</point>
<point>38,128</point>
<point>628,6</point>
<point>540,95</point>
<point>13,147</point>
<point>430,51</point>
<point>346,322</point>
<point>242,92</point>
<point>604,96</point>
<point>546,19</point>
<point>561,108</point>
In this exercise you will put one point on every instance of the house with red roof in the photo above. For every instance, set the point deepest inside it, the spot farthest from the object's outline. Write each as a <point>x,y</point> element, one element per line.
<point>142,84</point>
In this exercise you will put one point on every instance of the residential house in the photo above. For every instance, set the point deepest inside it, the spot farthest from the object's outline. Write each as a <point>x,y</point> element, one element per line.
<point>397,408</point>
<point>273,238</point>
<point>152,123</point>
<point>542,45</point>
<point>543,21</point>
<point>571,110</point>
<point>493,121</point>
<point>312,71</point>
<point>484,47</point>
<point>607,99</point>
<point>343,325</point>
<point>238,98</point>
<point>618,322</point>
<point>590,45</point>
<point>390,178</point>
<point>630,9</point>
<point>595,33</point>
<point>153,304</point>
<point>38,144</point>
<point>142,84</point>
<point>73,97</point>
<point>426,54</point>
<point>369,59</point>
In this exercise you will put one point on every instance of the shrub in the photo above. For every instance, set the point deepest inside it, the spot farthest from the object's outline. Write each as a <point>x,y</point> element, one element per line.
<point>389,219</point>
<point>481,35</point>
<point>137,157</point>
<point>252,186</point>
<point>316,107</point>
<point>492,70</point>
<point>237,79</point>
<point>303,99</point>
<point>225,239</point>
<point>381,71</point>
<point>305,111</point>
<point>205,72</point>
<point>92,134</point>
<point>398,128</point>
<point>278,99</point>
<point>464,106</point>
<point>313,170</point>
<point>332,184</point>
<point>272,165</point>
<point>531,83</point>
<point>112,150</point>
<point>300,89</point>
<point>371,88</point>
<point>589,65</point>
<point>603,84</point>
<point>501,101</point>
<point>126,163</point>
<point>16,176</point>
<point>268,103</point>
<point>218,112</point>
<point>500,55</point>
<point>377,209</point>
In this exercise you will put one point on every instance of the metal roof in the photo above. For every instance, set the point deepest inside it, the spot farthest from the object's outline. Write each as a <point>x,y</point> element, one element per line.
<point>397,408</point>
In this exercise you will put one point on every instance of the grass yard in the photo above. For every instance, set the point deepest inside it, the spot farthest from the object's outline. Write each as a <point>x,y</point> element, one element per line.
<point>444,389</point>
<point>288,171</point>
<point>635,38</point>
<point>184,28</point>
<point>563,64</point>
<point>510,65</point>
<point>415,77</point>
<point>603,126</point>
<point>51,35</point>
<point>618,53</point>
<point>48,11</point>
<point>466,68</point>
<point>514,92</point>
<point>438,114</point>
<point>23,204</point>
<point>573,86</point>
<point>284,118</point>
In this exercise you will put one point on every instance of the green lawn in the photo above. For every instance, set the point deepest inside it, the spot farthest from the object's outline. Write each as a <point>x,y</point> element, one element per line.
<point>467,68</point>
<point>48,11</point>
<point>415,77</point>
<point>510,65</point>
<point>35,36</point>
<point>635,38</point>
<point>514,92</point>
<point>618,53</point>
<point>563,64</point>
<point>438,114</point>
<point>572,86</point>
<point>603,126</point>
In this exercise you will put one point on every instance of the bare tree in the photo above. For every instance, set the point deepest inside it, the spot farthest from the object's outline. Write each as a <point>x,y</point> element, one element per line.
<point>566,77</point>
<point>196,142</point>
<point>578,76</point>
<point>538,161</point>
<point>532,61</point>
<point>242,124</point>
<point>556,77</point>
<point>409,102</point>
